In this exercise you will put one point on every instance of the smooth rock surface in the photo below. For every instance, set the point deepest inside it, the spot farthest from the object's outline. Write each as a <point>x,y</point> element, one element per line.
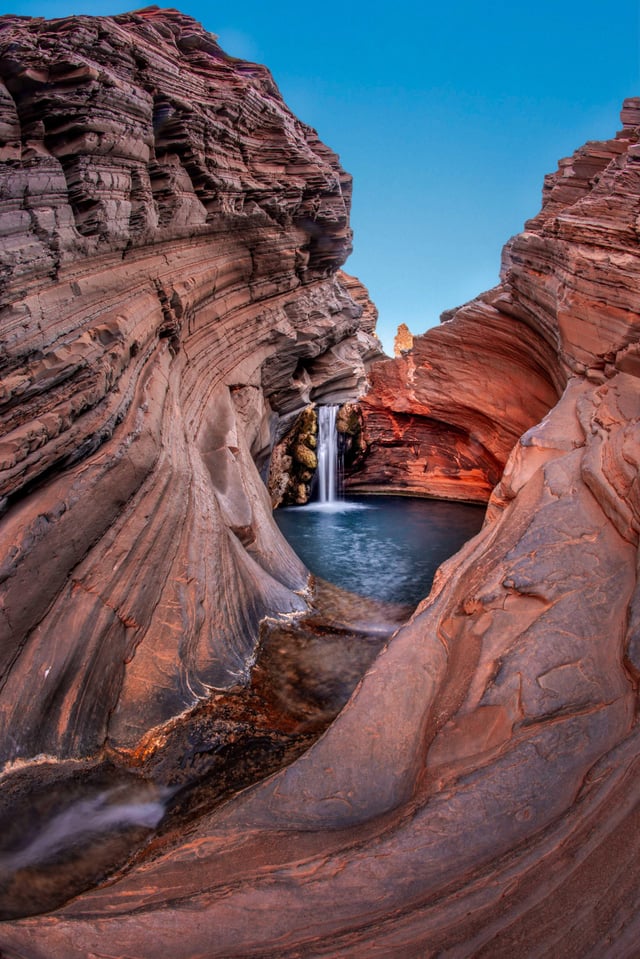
<point>171,237</point>
<point>479,794</point>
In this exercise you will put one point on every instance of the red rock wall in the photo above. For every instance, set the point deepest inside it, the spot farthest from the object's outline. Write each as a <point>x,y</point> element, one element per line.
<point>170,241</point>
<point>478,795</point>
<point>441,419</point>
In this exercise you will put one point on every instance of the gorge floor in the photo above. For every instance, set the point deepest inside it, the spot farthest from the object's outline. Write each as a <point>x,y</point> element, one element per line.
<point>82,824</point>
<point>70,826</point>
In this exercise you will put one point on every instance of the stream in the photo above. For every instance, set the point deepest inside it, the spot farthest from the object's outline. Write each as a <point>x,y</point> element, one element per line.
<point>67,827</point>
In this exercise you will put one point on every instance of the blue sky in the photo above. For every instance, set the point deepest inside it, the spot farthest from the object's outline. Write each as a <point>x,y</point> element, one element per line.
<point>448,116</point>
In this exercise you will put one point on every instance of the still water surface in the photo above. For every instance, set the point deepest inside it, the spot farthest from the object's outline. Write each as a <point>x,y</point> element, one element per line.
<point>385,547</point>
<point>67,835</point>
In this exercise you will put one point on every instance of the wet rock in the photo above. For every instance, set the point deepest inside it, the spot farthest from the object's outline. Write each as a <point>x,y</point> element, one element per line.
<point>170,291</point>
<point>304,454</point>
<point>350,429</point>
<point>294,462</point>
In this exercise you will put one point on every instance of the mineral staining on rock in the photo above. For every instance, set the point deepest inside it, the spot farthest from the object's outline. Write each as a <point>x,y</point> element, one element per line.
<point>294,461</point>
<point>170,305</point>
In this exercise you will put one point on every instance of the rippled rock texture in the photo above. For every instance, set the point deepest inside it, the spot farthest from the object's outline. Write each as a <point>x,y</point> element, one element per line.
<point>171,237</point>
<point>479,794</point>
<point>442,418</point>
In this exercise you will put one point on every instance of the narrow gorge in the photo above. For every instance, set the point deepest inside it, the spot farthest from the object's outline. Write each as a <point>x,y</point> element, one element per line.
<point>463,782</point>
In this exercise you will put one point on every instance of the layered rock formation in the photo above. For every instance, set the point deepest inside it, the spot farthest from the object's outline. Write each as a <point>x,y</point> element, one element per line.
<point>170,241</point>
<point>442,418</point>
<point>479,793</point>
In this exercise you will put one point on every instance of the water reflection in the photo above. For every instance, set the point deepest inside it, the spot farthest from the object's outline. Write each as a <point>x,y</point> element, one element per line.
<point>385,547</point>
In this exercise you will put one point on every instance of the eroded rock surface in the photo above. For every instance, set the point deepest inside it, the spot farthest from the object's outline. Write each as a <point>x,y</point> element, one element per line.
<point>479,794</point>
<point>442,418</point>
<point>171,237</point>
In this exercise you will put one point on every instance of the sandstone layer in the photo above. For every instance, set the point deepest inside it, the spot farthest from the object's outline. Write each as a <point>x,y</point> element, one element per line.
<point>171,237</point>
<point>479,794</point>
<point>441,419</point>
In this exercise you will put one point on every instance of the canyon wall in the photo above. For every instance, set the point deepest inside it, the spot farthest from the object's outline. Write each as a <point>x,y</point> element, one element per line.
<point>441,419</point>
<point>171,237</point>
<point>479,793</point>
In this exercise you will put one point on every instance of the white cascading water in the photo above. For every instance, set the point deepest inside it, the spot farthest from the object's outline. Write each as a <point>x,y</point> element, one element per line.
<point>89,818</point>
<point>328,456</point>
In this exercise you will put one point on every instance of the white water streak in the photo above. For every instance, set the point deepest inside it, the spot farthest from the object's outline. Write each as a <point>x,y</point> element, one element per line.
<point>86,819</point>
<point>327,454</point>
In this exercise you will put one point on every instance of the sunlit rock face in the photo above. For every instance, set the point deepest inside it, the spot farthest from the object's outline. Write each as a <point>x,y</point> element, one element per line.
<point>442,418</point>
<point>171,237</point>
<point>478,795</point>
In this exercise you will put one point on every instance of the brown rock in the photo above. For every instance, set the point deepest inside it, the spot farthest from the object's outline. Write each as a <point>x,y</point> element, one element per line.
<point>478,794</point>
<point>305,456</point>
<point>441,419</point>
<point>168,289</point>
<point>360,294</point>
<point>294,461</point>
<point>403,340</point>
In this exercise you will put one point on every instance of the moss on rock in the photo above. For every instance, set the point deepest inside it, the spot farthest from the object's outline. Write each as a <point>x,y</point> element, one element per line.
<point>294,461</point>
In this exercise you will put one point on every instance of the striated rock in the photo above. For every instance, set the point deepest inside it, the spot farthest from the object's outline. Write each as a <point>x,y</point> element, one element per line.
<point>171,237</point>
<point>328,367</point>
<point>441,419</point>
<point>369,316</point>
<point>478,794</point>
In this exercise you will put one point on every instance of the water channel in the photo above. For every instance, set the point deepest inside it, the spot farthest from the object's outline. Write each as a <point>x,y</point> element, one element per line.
<point>386,548</point>
<point>66,827</point>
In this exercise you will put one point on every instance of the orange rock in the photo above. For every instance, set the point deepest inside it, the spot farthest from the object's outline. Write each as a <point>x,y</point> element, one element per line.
<point>403,340</point>
<point>478,794</point>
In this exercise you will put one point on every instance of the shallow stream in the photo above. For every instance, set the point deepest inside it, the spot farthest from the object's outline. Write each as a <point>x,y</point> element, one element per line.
<point>67,827</point>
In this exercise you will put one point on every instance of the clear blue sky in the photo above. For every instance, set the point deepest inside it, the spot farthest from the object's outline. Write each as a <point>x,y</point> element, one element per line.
<point>448,116</point>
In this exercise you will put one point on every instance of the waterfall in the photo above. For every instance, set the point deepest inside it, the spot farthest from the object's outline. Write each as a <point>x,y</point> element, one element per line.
<point>328,455</point>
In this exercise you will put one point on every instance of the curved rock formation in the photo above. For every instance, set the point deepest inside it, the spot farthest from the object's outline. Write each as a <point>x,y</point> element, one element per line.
<point>171,236</point>
<point>479,793</point>
<point>441,419</point>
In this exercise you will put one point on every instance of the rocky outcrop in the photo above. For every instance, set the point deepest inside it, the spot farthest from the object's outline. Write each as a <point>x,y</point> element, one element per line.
<point>442,418</point>
<point>171,237</point>
<point>294,462</point>
<point>403,340</point>
<point>328,364</point>
<point>478,794</point>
